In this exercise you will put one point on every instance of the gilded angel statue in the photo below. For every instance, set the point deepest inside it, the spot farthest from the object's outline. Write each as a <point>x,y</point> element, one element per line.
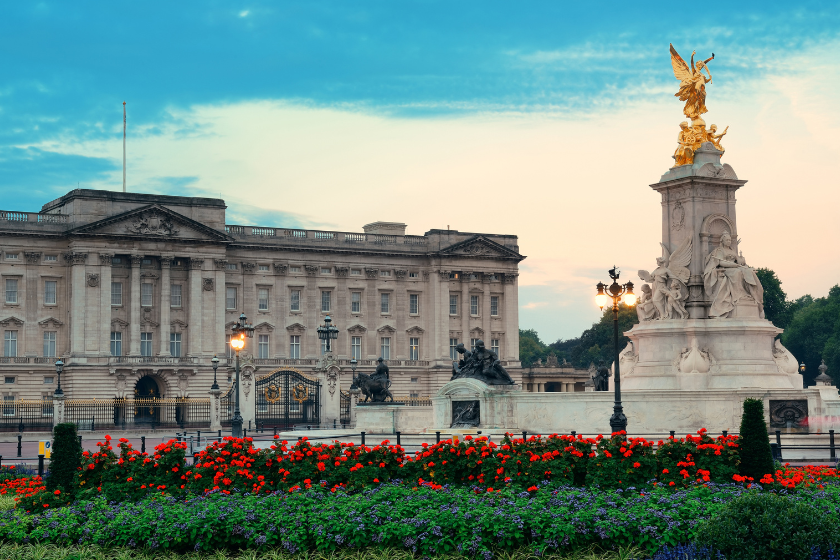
<point>692,83</point>
<point>670,266</point>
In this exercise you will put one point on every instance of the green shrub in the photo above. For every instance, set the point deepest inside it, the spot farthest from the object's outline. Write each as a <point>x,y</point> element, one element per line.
<point>756,458</point>
<point>769,527</point>
<point>65,460</point>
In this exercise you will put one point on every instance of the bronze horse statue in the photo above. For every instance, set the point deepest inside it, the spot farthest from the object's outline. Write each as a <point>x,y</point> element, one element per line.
<point>374,389</point>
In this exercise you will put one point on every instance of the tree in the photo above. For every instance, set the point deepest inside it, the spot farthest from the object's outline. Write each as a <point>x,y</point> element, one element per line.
<point>756,457</point>
<point>814,334</point>
<point>777,308</point>
<point>531,348</point>
<point>66,458</point>
<point>596,342</point>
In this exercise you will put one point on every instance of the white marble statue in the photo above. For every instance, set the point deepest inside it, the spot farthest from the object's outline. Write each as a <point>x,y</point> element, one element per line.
<point>728,280</point>
<point>674,299</point>
<point>644,304</point>
<point>670,266</point>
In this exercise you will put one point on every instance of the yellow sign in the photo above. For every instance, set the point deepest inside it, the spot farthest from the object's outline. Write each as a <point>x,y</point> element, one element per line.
<point>45,449</point>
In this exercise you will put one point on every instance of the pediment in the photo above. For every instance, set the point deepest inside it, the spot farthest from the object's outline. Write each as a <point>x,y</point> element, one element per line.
<point>476,333</point>
<point>119,323</point>
<point>178,324</point>
<point>50,323</point>
<point>415,330</point>
<point>357,329</point>
<point>386,329</point>
<point>482,247</point>
<point>11,322</point>
<point>264,326</point>
<point>151,222</point>
<point>296,328</point>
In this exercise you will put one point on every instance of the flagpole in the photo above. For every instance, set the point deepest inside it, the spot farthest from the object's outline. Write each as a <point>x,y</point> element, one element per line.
<point>123,146</point>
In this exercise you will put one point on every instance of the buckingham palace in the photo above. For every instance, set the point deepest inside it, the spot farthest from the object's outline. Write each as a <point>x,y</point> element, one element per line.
<point>136,293</point>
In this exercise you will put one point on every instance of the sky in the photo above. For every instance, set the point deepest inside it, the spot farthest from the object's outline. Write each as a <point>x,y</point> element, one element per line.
<point>547,120</point>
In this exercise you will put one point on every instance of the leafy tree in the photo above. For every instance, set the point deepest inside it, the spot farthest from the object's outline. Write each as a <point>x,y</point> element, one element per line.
<point>756,458</point>
<point>596,342</point>
<point>65,460</point>
<point>777,308</point>
<point>814,334</point>
<point>531,348</point>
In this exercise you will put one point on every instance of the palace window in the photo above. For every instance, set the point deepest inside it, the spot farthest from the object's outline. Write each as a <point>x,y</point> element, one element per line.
<point>116,293</point>
<point>231,266</point>
<point>175,295</point>
<point>49,344</point>
<point>474,305</point>
<point>384,273</point>
<point>49,380</point>
<point>294,269</point>
<point>294,300</point>
<point>294,347</point>
<point>414,304</point>
<point>10,344</point>
<point>50,258</point>
<point>145,344</point>
<point>230,298</point>
<point>8,380</point>
<point>325,270</point>
<point>262,303</point>
<point>385,302</point>
<point>414,275</point>
<point>494,345</point>
<point>494,306</point>
<point>356,347</point>
<point>175,344</point>
<point>146,293</point>
<point>11,256</point>
<point>413,348</point>
<point>325,301</point>
<point>453,305</point>
<point>50,292</point>
<point>453,348</point>
<point>386,348</point>
<point>472,343</point>
<point>116,344</point>
<point>262,346</point>
<point>11,290</point>
<point>229,352</point>
<point>355,272</point>
<point>263,268</point>
<point>355,302</point>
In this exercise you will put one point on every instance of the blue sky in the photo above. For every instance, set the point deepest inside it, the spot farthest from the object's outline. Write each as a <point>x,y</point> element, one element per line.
<point>350,80</point>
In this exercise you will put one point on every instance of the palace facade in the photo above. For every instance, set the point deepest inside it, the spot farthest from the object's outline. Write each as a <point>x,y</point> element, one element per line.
<point>136,293</point>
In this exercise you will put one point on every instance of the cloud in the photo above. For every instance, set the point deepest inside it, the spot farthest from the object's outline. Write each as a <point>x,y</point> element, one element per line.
<point>534,305</point>
<point>244,13</point>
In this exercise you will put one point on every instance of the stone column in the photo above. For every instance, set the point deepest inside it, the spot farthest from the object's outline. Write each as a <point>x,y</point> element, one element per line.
<point>354,401</point>
<point>486,320</point>
<point>58,409</point>
<point>441,331</point>
<point>77,308</point>
<point>165,304</point>
<point>219,289</point>
<point>134,314</point>
<point>330,394</point>
<point>511,320</point>
<point>105,263</point>
<point>194,328</point>
<point>465,309</point>
<point>30,309</point>
<point>215,410</point>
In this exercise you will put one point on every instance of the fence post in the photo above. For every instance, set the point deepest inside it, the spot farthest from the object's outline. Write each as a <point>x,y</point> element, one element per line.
<point>199,437</point>
<point>1,460</point>
<point>93,423</point>
<point>333,423</point>
<point>524,436</point>
<point>20,425</point>
<point>40,465</point>
<point>779,438</point>
<point>20,444</point>
<point>478,433</point>
<point>275,431</point>
<point>363,437</point>
<point>776,451</point>
<point>398,438</point>
<point>142,444</point>
<point>830,445</point>
<point>245,433</point>
<point>219,435</point>
<point>249,424</point>
<point>725,433</point>
<point>437,437</point>
<point>672,433</point>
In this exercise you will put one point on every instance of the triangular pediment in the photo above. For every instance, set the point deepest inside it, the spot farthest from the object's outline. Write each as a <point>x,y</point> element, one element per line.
<point>296,328</point>
<point>357,329</point>
<point>386,329</point>
<point>50,323</point>
<point>264,326</point>
<point>481,247</point>
<point>151,222</point>
<point>415,330</point>
<point>11,321</point>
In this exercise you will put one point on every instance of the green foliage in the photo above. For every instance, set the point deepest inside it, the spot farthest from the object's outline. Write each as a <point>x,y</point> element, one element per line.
<point>759,526</point>
<point>814,334</point>
<point>65,459</point>
<point>756,458</point>
<point>531,348</point>
<point>596,342</point>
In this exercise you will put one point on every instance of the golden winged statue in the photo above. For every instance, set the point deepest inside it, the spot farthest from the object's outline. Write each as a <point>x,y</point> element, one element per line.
<point>692,83</point>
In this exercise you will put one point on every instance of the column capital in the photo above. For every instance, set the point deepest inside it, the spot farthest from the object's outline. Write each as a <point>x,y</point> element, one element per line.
<point>510,278</point>
<point>135,260</point>
<point>196,263</point>
<point>280,268</point>
<point>444,274</point>
<point>248,267</point>
<point>166,261</point>
<point>73,258</point>
<point>32,258</point>
<point>221,264</point>
<point>106,259</point>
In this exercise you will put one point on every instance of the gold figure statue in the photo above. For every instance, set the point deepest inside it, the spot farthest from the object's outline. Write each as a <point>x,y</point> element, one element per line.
<point>715,138</point>
<point>692,83</point>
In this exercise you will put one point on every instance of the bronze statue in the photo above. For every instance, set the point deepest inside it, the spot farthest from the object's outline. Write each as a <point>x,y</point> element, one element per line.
<point>375,387</point>
<point>602,377</point>
<point>482,364</point>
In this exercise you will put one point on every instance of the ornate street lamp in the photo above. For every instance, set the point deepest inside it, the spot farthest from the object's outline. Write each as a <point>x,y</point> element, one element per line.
<point>59,367</point>
<point>215,362</point>
<point>241,330</point>
<point>802,368</point>
<point>326,333</point>
<point>618,421</point>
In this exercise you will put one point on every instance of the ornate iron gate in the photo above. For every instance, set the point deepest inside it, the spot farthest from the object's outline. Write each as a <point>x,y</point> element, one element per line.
<point>345,409</point>
<point>287,397</point>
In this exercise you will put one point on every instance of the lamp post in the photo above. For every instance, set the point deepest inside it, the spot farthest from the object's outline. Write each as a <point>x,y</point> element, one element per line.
<point>615,291</point>
<point>241,330</point>
<point>59,367</point>
<point>326,333</point>
<point>215,362</point>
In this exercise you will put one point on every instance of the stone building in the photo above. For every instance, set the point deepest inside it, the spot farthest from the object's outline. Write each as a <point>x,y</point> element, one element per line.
<point>554,377</point>
<point>137,292</point>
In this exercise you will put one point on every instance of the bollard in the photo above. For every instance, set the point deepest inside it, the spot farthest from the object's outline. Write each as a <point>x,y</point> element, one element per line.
<point>478,433</point>
<point>333,423</point>
<point>92,423</point>
<point>20,425</point>
<point>524,436</point>
<point>275,431</point>
<point>249,424</point>
<point>195,458</point>
<point>199,437</point>
<point>300,438</point>
<point>363,438</point>
<point>40,465</point>
<point>398,438</point>
<point>725,433</point>
<point>776,451</point>
<point>142,444</point>
<point>574,434</point>
<point>191,447</point>
<point>245,432</point>
<point>219,436</point>
<point>437,437</point>
<point>308,427</point>
<point>20,443</point>
<point>779,438</point>
<point>830,445</point>
<point>1,460</point>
